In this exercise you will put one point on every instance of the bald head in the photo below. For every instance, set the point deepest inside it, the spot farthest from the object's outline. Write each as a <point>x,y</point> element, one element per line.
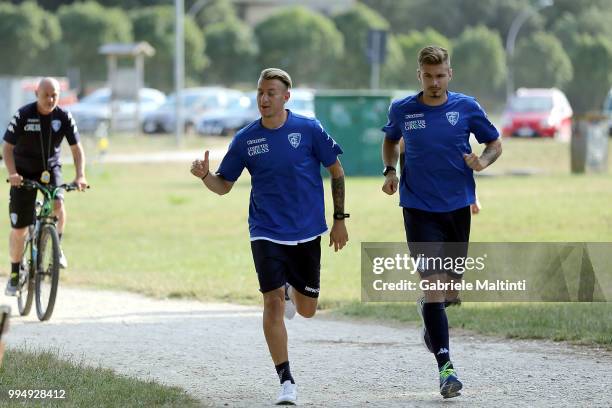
<point>47,95</point>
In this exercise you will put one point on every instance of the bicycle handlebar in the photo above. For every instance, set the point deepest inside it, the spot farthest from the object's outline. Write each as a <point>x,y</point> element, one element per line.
<point>30,184</point>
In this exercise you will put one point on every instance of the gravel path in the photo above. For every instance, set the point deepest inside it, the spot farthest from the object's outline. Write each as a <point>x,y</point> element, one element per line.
<point>218,354</point>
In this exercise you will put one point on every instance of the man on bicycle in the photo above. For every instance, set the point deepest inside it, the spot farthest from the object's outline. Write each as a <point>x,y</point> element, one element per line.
<point>32,150</point>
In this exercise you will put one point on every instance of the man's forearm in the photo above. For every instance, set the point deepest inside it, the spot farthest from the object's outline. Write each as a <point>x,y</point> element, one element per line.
<point>9,158</point>
<point>491,152</point>
<point>216,184</point>
<point>79,160</point>
<point>337,186</point>
<point>390,152</point>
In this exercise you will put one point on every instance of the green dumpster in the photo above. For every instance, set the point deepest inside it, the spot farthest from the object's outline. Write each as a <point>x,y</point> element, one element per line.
<point>354,120</point>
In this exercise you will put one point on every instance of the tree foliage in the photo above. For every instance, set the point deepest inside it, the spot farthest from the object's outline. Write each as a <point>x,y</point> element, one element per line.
<point>87,26</point>
<point>232,50</point>
<point>156,26</point>
<point>304,43</point>
<point>541,62</point>
<point>216,11</point>
<point>592,58</point>
<point>354,71</point>
<point>479,63</point>
<point>450,17</point>
<point>26,32</point>
<point>411,44</point>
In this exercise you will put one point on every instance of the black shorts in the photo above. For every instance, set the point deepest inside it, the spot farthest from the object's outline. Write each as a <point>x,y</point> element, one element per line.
<point>299,265</point>
<point>438,234</point>
<point>22,201</point>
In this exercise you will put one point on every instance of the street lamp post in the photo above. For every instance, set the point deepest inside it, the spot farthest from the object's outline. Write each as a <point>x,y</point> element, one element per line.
<point>518,21</point>
<point>179,70</point>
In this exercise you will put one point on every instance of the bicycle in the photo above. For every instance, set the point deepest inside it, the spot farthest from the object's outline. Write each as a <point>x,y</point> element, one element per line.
<point>39,267</point>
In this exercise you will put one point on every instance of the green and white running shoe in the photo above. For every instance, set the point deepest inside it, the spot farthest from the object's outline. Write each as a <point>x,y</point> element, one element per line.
<point>449,383</point>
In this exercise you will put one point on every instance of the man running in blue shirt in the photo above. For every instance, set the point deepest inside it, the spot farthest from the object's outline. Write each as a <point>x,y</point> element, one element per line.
<point>437,186</point>
<point>283,152</point>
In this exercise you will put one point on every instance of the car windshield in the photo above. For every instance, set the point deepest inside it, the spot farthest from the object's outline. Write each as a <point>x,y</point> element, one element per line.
<point>531,104</point>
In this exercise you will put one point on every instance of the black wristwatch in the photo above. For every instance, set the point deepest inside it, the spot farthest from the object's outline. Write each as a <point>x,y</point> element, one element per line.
<point>341,216</point>
<point>388,169</point>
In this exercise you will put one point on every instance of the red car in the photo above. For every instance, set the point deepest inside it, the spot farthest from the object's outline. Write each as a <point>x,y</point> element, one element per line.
<point>538,112</point>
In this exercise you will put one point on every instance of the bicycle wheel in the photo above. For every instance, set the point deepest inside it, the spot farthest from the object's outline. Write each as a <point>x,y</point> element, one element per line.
<point>47,275</point>
<point>26,279</point>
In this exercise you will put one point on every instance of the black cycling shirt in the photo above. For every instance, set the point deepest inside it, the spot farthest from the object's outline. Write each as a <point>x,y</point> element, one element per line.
<point>24,131</point>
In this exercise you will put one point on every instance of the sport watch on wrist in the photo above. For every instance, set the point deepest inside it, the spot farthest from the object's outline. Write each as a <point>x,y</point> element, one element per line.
<point>341,216</point>
<point>388,169</point>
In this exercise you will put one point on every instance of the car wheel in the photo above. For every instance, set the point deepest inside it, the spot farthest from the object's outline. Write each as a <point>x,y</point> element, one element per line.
<point>149,127</point>
<point>189,128</point>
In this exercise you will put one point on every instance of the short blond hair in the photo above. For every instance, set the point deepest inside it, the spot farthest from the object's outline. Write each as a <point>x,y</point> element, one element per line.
<point>276,73</point>
<point>433,55</point>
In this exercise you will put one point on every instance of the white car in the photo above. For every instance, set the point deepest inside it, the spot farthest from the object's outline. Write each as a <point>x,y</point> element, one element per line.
<point>93,112</point>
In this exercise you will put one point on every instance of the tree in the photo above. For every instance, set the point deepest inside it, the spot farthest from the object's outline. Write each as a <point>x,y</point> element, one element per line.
<point>451,17</point>
<point>304,43</point>
<point>592,58</point>
<point>591,21</point>
<point>411,44</point>
<point>86,26</point>
<point>27,31</point>
<point>575,8</point>
<point>479,64</point>
<point>216,11</point>
<point>393,73</point>
<point>53,5</point>
<point>541,62</point>
<point>232,50</point>
<point>354,71</point>
<point>156,26</point>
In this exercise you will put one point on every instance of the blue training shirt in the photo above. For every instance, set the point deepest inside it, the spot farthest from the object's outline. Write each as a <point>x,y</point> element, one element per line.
<point>436,177</point>
<point>287,201</point>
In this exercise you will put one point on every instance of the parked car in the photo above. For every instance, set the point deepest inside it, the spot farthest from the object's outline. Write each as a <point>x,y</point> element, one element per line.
<point>607,110</point>
<point>195,102</point>
<point>229,120</point>
<point>538,112</point>
<point>93,112</point>
<point>302,102</point>
<point>226,122</point>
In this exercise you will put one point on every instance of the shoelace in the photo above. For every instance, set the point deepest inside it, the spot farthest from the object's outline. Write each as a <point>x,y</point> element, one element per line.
<point>446,372</point>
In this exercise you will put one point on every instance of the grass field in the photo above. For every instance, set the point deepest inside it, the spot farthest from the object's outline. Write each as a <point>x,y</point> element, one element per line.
<point>82,386</point>
<point>123,144</point>
<point>154,229</point>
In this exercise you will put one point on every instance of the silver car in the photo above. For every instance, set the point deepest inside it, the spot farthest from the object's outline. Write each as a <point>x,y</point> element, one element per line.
<point>93,113</point>
<point>226,122</point>
<point>195,102</point>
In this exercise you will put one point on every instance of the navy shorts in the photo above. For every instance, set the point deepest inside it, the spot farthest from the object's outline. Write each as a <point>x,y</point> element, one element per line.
<point>22,202</point>
<point>438,234</point>
<point>299,265</point>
